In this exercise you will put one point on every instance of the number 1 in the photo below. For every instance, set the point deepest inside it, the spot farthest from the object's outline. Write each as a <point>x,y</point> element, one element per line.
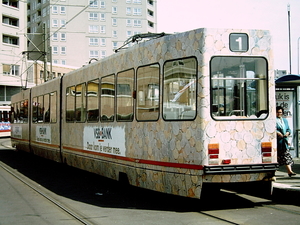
<point>239,40</point>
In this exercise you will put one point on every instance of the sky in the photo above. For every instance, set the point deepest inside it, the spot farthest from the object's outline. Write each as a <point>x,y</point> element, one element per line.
<point>179,16</point>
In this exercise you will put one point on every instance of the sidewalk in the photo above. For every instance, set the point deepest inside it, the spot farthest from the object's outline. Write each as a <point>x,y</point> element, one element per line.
<point>284,182</point>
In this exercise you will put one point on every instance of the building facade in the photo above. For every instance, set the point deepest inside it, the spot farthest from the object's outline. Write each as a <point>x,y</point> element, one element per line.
<point>63,35</point>
<point>12,44</point>
<point>80,31</point>
<point>36,68</point>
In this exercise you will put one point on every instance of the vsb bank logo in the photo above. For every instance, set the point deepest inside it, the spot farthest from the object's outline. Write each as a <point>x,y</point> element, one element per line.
<point>103,133</point>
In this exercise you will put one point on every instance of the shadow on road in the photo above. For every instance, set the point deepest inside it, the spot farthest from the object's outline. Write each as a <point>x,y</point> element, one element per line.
<point>99,191</point>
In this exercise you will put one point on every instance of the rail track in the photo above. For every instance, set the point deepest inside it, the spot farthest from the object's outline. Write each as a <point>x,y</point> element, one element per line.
<point>42,192</point>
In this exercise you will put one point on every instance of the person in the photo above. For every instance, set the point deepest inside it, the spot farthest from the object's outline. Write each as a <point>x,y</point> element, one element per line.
<point>283,131</point>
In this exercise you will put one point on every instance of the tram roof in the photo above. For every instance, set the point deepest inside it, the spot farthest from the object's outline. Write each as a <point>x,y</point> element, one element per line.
<point>288,80</point>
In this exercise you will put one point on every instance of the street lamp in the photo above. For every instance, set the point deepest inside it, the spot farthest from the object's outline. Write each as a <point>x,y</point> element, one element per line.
<point>288,9</point>
<point>298,54</point>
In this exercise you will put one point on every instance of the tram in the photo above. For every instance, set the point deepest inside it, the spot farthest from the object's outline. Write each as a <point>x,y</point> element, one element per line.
<point>173,114</point>
<point>5,126</point>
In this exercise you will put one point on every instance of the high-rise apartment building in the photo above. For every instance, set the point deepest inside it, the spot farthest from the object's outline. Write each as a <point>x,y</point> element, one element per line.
<point>12,44</point>
<point>72,33</point>
<point>80,31</point>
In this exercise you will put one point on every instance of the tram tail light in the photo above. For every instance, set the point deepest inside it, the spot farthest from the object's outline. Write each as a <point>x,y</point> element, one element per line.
<point>226,161</point>
<point>213,154</point>
<point>266,150</point>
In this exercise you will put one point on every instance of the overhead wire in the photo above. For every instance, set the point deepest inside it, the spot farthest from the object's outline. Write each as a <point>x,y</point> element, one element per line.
<point>91,2</point>
<point>25,1</point>
<point>49,36</point>
<point>81,11</point>
<point>25,28</point>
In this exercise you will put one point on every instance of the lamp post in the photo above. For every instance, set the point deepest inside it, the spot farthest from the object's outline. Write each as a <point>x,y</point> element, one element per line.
<point>298,54</point>
<point>288,9</point>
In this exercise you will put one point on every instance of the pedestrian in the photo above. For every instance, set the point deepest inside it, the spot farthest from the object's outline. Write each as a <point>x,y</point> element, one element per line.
<point>283,131</point>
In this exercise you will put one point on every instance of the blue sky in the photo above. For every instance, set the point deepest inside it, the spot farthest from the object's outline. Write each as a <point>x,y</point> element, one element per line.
<point>179,16</point>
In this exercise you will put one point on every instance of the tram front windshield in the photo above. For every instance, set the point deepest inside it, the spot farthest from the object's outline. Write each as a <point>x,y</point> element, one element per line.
<point>239,87</point>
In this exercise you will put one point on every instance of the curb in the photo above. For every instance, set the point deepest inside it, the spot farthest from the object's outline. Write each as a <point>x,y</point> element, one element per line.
<point>286,187</point>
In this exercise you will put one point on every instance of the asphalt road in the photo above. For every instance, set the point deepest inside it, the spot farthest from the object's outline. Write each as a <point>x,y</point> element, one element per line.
<point>99,200</point>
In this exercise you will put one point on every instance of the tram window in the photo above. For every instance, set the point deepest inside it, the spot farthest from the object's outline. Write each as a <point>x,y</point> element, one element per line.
<point>80,103</point>
<point>34,109</point>
<point>53,107</point>
<point>16,119</point>
<point>92,94</point>
<point>46,108</point>
<point>4,116</point>
<point>179,93</point>
<point>239,87</point>
<point>17,112</point>
<point>125,82</point>
<point>13,117</point>
<point>107,98</point>
<point>24,111</point>
<point>40,109</point>
<point>148,92</point>
<point>70,104</point>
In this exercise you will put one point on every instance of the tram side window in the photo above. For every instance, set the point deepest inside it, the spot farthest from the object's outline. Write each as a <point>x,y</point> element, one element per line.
<point>53,107</point>
<point>107,98</point>
<point>70,103</point>
<point>13,114</point>
<point>34,109</point>
<point>92,94</point>
<point>148,92</point>
<point>24,111</point>
<point>125,82</point>
<point>80,103</point>
<point>41,109</point>
<point>239,87</point>
<point>46,108</point>
<point>5,116</point>
<point>17,111</point>
<point>38,109</point>
<point>179,91</point>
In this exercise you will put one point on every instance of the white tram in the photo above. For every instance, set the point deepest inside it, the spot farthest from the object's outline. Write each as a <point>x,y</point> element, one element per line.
<point>171,114</point>
<point>5,125</point>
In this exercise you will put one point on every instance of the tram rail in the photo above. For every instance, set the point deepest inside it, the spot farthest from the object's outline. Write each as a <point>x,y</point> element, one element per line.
<point>38,189</point>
